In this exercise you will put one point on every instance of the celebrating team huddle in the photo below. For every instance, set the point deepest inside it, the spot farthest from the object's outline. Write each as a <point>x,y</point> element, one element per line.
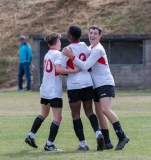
<point>88,79</point>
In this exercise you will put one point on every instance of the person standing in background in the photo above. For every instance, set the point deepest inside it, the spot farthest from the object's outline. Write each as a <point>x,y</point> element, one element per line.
<point>25,57</point>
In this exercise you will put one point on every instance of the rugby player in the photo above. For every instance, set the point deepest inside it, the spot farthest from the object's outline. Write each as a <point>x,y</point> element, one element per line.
<point>80,90</point>
<point>103,81</point>
<point>50,93</point>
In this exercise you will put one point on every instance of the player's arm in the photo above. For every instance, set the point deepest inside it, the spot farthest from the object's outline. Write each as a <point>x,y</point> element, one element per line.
<point>61,70</point>
<point>84,65</point>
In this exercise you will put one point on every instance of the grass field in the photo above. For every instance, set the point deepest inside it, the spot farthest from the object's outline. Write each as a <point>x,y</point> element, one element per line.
<point>18,110</point>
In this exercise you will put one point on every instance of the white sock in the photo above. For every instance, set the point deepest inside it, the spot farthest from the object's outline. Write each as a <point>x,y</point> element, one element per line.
<point>83,143</point>
<point>97,133</point>
<point>31,135</point>
<point>49,143</point>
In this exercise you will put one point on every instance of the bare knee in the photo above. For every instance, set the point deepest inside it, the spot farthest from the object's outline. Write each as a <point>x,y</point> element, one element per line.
<point>45,110</point>
<point>105,109</point>
<point>75,115</point>
<point>88,110</point>
<point>58,119</point>
<point>44,115</point>
<point>89,113</point>
<point>87,106</point>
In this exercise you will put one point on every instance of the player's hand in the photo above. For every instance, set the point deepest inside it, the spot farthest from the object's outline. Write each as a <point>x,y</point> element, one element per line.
<point>77,69</point>
<point>68,52</point>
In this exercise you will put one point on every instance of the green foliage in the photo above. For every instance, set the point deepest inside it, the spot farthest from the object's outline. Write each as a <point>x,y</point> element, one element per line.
<point>115,19</point>
<point>140,24</point>
<point>18,111</point>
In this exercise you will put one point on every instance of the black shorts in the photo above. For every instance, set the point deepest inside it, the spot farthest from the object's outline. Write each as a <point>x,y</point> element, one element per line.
<point>103,91</point>
<point>83,94</point>
<point>54,103</point>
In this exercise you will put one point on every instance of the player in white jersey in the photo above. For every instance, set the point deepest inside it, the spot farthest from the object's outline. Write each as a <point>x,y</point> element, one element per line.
<point>103,82</point>
<point>50,93</point>
<point>80,89</point>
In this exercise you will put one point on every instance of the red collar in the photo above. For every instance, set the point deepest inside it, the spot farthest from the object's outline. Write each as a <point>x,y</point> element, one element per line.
<point>74,42</point>
<point>95,45</point>
<point>53,49</point>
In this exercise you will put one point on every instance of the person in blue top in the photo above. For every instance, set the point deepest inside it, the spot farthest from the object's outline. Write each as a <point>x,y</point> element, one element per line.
<point>25,57</point>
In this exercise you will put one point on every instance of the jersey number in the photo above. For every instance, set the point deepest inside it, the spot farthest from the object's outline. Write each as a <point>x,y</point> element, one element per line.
<point>82,57</point>
<point>48,66</point>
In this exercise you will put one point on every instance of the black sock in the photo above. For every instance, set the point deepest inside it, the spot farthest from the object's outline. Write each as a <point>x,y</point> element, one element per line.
<point>118,130</point>
<point>37,123</point>
<point>78,128</point>
<point>94,122</point>
<point>105,133</point>
<point>53,131</point>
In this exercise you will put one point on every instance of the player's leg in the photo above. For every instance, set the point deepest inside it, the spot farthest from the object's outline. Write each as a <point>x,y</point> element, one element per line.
<point>105,107</point>
<point>104,125</point>
<point>27,73</point>
<point>87,105</point>
<point>87,95</point>
<point>78,126</point>
<point>20,76</point>
<point>56,105</point>
<point>45,108</point>
<point>75,106</point>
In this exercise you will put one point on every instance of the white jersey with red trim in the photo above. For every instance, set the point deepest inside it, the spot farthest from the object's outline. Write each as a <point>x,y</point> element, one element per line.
<point>97,60</point>
<point>81,79</point>
<point>51,86</point>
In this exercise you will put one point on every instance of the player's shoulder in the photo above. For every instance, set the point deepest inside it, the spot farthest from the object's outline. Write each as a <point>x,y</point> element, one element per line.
<point>52,54</point>
<point>83,43</point>
<point>57,52</point>
<point>99,47</point>
<point>47,54</point>
<point>75,44</point>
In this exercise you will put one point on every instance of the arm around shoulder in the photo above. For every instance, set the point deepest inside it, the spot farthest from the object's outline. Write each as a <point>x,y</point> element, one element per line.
<point>61,70</point>
<point>91,60</point>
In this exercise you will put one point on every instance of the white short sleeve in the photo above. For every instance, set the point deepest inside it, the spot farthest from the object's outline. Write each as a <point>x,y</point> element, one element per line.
<point>64,60</point>
<point>57,58</point>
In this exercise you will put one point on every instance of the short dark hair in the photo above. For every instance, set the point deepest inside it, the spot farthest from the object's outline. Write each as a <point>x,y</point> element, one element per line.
<point>96,27</point>
<point>52,38</point>
<point>75,31</point>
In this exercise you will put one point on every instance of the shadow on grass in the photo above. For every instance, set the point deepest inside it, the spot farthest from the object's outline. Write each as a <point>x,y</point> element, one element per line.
<point>38,153</point>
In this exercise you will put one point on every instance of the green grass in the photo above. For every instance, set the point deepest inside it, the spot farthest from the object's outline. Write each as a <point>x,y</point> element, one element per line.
<point>18,110</point>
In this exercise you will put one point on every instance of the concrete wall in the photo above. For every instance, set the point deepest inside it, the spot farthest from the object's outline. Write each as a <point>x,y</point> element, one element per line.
<point>36,70</point>
<point>134,77</point>
<point>147,64</point>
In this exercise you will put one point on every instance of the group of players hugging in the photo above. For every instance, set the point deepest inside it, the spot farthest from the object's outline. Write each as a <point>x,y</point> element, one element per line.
<point>88,80</point>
